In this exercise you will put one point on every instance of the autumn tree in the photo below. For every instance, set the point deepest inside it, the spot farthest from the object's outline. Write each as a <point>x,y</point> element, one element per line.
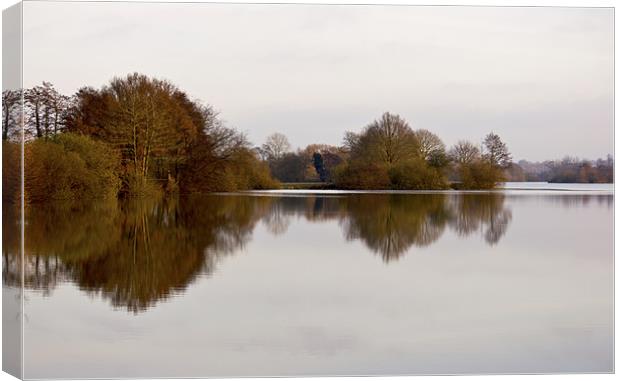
<point>386,141</point>
<point>165,137</point>
<point>90,112</point>
<point>221,160</point>
<point>475,170</point>
<point>388,154</point>
<point>146,119</point>
<point>145,124</point>
<point>324,158</point>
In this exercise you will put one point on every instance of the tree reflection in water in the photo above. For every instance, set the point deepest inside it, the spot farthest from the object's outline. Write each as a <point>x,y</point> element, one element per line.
<point>395,222</point>
<point>480,212</point>
<point>135,253</point>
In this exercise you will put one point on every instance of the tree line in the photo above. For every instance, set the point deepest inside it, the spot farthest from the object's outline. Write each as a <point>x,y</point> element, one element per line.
<point>566,170</point>
<point>389,154</point>
<point>138,135</point>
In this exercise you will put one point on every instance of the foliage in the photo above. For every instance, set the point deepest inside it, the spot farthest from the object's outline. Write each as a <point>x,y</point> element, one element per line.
<point>290,167</point>
<point>222,162</point>
<point>479,174</point>
<point>324,160</point>
<point>362,175</point>
<point>416,174</point>
<point>474,170</point>
<point>165,138</point>
<point>386,141</point>
<point>247,173</point>
<point>388,154</point>
<point>69,167</point>
<point>147,120</point>
<point>147,135</point>
<point>11,171</point>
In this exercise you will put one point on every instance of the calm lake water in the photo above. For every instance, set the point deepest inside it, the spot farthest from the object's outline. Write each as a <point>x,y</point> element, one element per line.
<point>269,284</point>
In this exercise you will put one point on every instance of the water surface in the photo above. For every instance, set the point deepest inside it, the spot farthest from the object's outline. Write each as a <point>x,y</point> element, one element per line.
<point>319,284</point>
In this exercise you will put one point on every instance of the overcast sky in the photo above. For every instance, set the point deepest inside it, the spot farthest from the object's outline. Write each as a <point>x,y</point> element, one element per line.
<point>542,78</point>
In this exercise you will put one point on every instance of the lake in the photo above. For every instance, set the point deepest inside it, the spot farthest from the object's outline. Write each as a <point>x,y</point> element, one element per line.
<point>326,283</point>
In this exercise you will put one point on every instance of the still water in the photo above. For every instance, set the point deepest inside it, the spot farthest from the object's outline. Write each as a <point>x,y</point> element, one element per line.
<point>319,284</point>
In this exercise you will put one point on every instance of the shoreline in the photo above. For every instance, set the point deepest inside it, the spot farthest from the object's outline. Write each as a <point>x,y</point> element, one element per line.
<point>337,192</point>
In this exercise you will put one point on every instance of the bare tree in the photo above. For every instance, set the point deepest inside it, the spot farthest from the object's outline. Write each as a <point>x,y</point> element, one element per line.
<point>45,109</point>
<point>464,152</point>
<point>276,146</point>
<point>350,141</point>
<point>496,151</point>
<point>430,144</point>
<point>34,99</point>
<point>10,111</point>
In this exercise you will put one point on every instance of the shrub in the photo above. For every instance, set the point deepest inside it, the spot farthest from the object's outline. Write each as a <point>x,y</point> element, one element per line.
<point>416,174</point>
<point>70,167</point>
<point>136,185</point>
<point>260,177</point>
<point>358,175</point>
<point>247,172</point>
<point>479,174</point>
<point>241,171</point>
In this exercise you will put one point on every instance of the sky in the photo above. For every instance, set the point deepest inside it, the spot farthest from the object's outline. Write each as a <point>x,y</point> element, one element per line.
<point>540,77</point>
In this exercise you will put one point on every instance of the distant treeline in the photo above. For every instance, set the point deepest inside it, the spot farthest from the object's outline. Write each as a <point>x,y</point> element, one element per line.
<point>139,135</point>
<point>567,170</point>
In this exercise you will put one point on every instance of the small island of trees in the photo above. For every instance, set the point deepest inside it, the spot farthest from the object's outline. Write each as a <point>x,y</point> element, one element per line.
<point>138,136</point>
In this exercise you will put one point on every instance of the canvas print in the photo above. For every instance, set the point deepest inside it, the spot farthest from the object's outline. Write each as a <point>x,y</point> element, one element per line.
<point>230,190</point>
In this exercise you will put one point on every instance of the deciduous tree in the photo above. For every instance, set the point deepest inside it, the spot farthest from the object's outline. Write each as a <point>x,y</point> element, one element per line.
<point>275,146</point>
<point>11,112</point>
<point>386,141</point>
<point>496,151</point>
